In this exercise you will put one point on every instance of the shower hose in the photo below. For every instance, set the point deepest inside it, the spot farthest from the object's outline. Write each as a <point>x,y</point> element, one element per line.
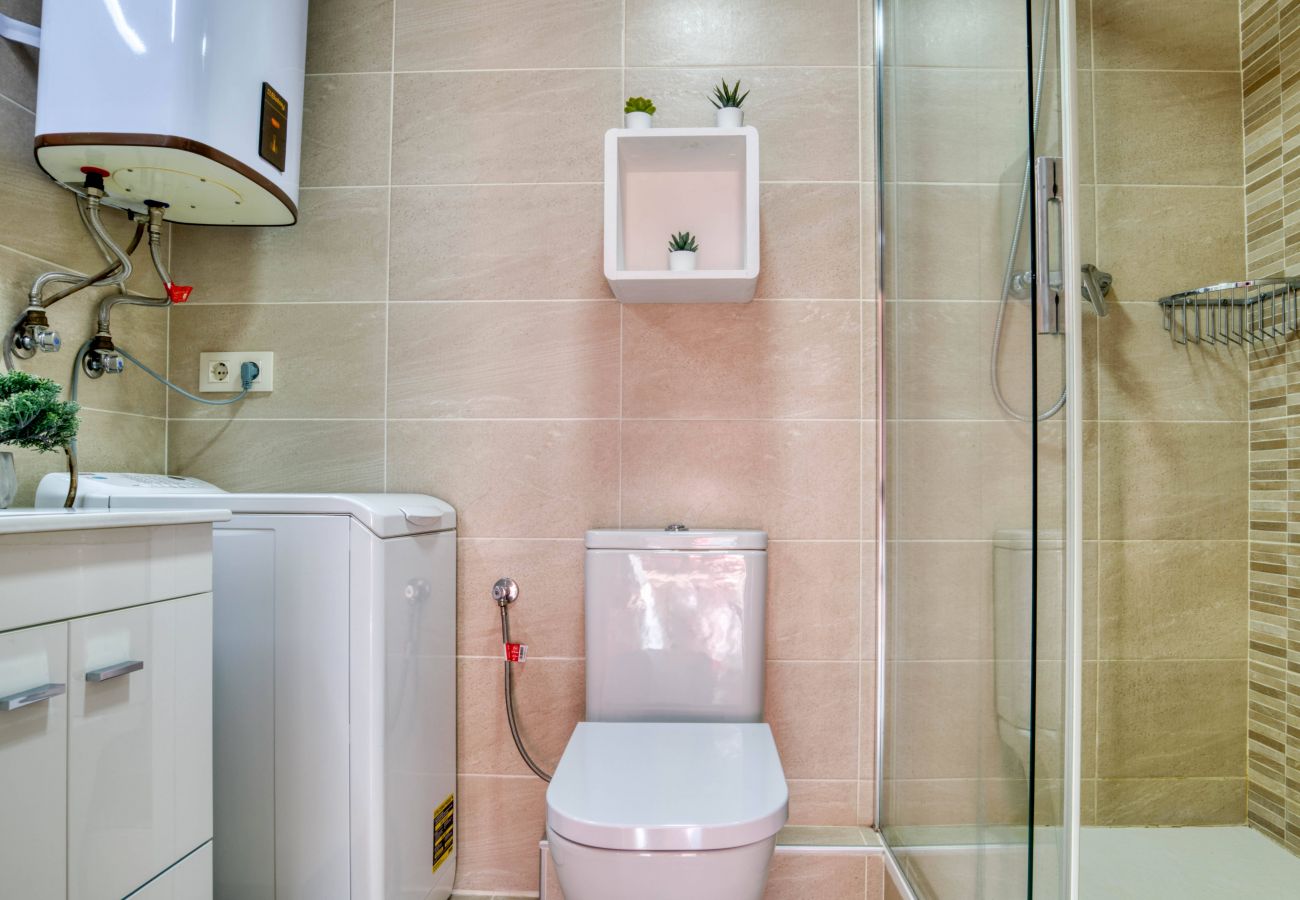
<point>1009,271</point>
<point>504,592</point>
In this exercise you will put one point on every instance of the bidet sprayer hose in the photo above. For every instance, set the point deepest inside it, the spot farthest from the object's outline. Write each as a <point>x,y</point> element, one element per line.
<point>505,592</point>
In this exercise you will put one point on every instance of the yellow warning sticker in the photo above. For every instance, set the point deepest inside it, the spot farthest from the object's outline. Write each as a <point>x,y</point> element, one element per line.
<point>444,831</point>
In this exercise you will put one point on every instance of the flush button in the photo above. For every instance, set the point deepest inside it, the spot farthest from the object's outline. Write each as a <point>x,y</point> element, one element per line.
<point>677,526</point>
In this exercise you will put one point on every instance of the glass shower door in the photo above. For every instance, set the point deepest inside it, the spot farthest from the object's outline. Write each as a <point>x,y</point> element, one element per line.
<point>975,320</point>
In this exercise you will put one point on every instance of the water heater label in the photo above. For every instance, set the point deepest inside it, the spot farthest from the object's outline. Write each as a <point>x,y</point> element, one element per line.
<point>275,126</point>
<point>444,831</point>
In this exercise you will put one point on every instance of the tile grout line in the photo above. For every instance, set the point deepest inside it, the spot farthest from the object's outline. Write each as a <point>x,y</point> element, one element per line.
<point>388,239</point>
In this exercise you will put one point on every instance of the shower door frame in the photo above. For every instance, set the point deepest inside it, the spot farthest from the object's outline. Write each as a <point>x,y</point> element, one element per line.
<point>1070,261</point>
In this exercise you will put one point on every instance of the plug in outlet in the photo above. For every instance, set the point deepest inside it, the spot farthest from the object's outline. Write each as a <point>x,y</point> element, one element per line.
<point>219,372</point>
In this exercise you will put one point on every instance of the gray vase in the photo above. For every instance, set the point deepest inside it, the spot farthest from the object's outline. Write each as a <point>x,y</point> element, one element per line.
<point>8,479</point>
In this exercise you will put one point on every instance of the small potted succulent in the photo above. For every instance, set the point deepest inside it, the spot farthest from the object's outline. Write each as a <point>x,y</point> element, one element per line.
<point>34,418</point>
<point>681,252</point>
<point>637,112</point>
<point>728,101</point>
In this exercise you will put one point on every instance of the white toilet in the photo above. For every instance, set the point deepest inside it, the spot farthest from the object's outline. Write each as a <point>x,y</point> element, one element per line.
<point>673,786</point>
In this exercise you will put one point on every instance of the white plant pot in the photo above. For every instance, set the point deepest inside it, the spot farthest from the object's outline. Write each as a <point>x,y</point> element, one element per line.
<point>637,120</point>
<point>681,260</point>
<point>730,117</point>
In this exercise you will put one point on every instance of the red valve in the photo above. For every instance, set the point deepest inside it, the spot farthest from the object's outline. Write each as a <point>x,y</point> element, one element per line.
<point>516,653</point>
<point>179,293</point>
<point>95,170</point>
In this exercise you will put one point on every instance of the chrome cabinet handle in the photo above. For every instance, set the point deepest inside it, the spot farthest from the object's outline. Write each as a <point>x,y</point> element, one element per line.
<point>1047,191</point>
<point>114,671</point>
<point>34,695</point>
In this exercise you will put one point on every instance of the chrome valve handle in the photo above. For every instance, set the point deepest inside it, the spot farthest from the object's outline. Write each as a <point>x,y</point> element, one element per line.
<point>505,591</point>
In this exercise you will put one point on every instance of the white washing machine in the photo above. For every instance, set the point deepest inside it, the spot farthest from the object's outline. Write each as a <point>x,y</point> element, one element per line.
<point>335,687</point>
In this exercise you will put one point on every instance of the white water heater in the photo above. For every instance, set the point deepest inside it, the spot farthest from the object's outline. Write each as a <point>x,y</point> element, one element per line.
<point>193,103</point>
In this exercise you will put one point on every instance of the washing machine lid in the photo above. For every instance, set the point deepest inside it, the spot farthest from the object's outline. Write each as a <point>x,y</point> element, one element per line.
<point>668,786</point>
<point>387,515</point>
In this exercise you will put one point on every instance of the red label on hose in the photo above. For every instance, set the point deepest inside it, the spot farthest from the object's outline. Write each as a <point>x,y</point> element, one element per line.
<point>179,293</point>
<point>516,652</point>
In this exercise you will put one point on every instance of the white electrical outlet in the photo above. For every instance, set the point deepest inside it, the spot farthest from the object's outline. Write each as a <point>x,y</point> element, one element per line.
<point>219,372</point>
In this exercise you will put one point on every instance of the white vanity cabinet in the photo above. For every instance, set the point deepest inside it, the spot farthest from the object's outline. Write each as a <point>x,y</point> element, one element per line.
<point>106,704</point>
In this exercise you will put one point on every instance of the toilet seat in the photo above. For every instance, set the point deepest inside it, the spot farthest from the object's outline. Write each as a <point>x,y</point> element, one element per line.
<point>676,786</point>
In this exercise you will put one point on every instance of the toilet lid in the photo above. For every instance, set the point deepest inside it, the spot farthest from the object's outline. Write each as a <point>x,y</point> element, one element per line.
<point>668,786</point>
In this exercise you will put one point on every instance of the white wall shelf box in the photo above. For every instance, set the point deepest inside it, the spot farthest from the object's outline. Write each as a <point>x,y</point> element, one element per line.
<point>659,181</point>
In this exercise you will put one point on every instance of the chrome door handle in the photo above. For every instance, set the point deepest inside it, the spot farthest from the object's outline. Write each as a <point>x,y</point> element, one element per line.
<point>1047,191</point>
<point>34,695</point>
<point>114,671</point>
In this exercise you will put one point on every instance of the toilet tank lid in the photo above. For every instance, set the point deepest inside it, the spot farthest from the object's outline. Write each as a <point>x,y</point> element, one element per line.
<point>675,539</point>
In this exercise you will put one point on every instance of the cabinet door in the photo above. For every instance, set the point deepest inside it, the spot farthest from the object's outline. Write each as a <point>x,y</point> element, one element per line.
<point>33,762</point>
<point>193,723</point>
<point>121,764</point>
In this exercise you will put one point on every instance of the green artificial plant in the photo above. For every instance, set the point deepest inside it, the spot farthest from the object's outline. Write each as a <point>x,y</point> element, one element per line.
<point>31,414</point>
<point>683,240</point>
<point>639,104</point>
<point>724,96</point>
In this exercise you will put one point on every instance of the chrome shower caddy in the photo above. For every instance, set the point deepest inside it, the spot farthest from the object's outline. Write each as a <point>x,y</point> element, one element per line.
<point>1235,312</point>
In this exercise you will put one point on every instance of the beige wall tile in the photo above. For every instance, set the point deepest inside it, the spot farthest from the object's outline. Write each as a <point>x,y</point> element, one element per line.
<point>499,822</point>
<point>957,801</point>
<point>18,61</point>
<point>802,875</point>
<point>742,32</point>
<point>941,368</point>
<point>1154,802</point>
<point>345,129</point>
<point>497,243</point>
<point>142,331</point>
<point>813,598</point>
<point>786,104</point>
<point>867,118</point>
<point>961,480</point>
<point>337,251</point>
<point>1169,719</point>
<point>329,357</point>
<point>957,125</point>
<point>473,127</point>
<point>1180,481</point>
<point>965,226</point>
<point>960,33</point>
<point>808,704</point>
<point>948,726</point>
<point>1200,34</point>
<point>810,241</point>
<point>1173,600</point>
<point>868,672</point>
<point>107,442</point>
<point>549,700</point>
<point>1168,127</point>
<point>943,600</point>
<point>753,360</point>
<point>823,802</point>
<point>478,360</point>
<point>40,218</point>
<point>868,643</point>
<point>795,480</point>
<point>350,36</point>
<point>470,34</point>
<point>1146,375</point>
<point>511,479</point>
<point>1199,240</point>
<point>548,616</point>
<point>278,455</point>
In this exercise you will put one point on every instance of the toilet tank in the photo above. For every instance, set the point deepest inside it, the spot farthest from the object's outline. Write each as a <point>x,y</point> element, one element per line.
<point>675,625</point>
